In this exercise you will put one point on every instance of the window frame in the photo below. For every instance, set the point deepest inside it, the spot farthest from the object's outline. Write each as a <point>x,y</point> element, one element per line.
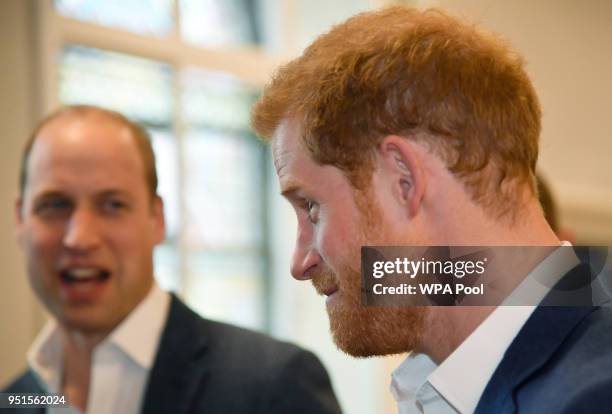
<point>251,65</point>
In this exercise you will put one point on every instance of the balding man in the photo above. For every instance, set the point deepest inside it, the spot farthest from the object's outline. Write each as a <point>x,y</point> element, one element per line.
<point>88,218</point>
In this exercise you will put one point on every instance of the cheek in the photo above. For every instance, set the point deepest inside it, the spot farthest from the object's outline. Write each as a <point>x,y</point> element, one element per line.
<point>41,240</point>
<point>128,249</point>
<point>325,239</point>
<point>42,246</point>
<point>131,249</point>
<point>339,243</point>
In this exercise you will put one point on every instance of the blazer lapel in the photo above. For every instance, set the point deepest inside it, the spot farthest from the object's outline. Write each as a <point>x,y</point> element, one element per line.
<point>176,373</point>
<point>539,338</point>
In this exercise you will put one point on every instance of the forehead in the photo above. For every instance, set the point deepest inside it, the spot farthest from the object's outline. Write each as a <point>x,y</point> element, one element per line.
<point>285,142</point>
<point>78,149</point>
<point>288,150</point>
<point>291,159</point>
<point>296,169</point>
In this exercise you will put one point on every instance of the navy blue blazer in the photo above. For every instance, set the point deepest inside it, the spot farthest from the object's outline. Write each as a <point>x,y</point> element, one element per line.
<point>560,362</point>
<point>214,368</point>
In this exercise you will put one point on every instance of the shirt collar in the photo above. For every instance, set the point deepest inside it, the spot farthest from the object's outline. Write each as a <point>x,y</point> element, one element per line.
<point>137,336</point>
<point>45,357</point>
<point>139,333</point>
<point>463,376</point>
<point>407,379</point>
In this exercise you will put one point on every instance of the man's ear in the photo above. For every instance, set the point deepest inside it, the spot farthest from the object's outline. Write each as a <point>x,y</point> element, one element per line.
<point>159,222</point>
<point>403,164</point>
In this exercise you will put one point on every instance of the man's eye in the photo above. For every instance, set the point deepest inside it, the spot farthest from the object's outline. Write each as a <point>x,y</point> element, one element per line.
<point>113,206</point>
<point>52,206</point>
<point>312,209</point>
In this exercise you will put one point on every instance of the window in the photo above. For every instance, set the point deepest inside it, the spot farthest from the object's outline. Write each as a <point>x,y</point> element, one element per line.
<point>141,16</point>
<point>160,63</point>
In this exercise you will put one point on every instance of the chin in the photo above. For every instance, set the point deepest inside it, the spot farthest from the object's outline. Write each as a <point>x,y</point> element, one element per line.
<point>91,321</point>
<point>356,348</point>
<point>375,331</point>
<point>86,326</point>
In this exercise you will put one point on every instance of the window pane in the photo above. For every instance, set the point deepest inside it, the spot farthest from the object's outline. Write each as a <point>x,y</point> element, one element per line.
<point>141,16</point>
<point>138,88</point>
<point>216,100</point>
<point>217,23</point>
<point>223,190</point>
<point>167,267</point>
<point>223,163</point>
<point>226,286</point>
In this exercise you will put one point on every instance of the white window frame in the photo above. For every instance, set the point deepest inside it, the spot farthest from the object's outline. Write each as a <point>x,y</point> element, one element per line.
<point>252,65</point>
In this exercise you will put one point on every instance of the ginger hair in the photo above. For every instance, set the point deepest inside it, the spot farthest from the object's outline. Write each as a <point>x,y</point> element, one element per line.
<point>424,75</point>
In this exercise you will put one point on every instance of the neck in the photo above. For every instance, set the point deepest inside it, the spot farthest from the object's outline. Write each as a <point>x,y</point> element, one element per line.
<point>447,327</point>
<point>78,348</point>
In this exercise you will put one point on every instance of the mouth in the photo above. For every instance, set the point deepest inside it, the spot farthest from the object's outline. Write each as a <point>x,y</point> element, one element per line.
<point>330,291</point>
<point>332,295</point>
<point>77,275</point>
<point>326,284</point>
<point>83,283</point>
<point>323,288</point>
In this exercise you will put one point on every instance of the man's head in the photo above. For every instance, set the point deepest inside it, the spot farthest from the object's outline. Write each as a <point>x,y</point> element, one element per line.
<point>88,216</point>
<point>398,127</point>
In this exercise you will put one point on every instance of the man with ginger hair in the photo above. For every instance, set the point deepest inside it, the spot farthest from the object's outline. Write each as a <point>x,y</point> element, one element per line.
<point>407,127</point>
<point>88,217</point>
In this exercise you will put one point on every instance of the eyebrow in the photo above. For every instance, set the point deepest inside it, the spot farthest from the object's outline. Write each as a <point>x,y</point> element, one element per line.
<point>290,189</point>
<point>113,192</point>
<point>48,194</point>
<point>59,193</point>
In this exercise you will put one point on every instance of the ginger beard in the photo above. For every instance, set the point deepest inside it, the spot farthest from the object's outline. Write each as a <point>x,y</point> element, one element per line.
<point>359,330</point>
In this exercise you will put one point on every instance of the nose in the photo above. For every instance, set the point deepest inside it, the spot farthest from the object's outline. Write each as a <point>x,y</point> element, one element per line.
<point>305,258</point>
<point>82,231</point>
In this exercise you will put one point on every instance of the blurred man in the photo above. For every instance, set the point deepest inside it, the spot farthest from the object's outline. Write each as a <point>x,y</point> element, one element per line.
<point>403,127</point>
<point>88,218</point>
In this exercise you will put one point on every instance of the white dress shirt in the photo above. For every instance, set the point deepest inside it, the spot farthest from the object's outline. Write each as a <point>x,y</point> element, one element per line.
<point>120,364</point>
<point>420,386</point>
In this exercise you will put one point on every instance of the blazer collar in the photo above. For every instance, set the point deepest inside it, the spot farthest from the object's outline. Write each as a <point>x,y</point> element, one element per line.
<point>177,372</point>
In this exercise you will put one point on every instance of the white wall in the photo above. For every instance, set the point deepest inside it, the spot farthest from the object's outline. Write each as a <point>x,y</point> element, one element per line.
<point>20,316</point>
<point>566,44</point>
